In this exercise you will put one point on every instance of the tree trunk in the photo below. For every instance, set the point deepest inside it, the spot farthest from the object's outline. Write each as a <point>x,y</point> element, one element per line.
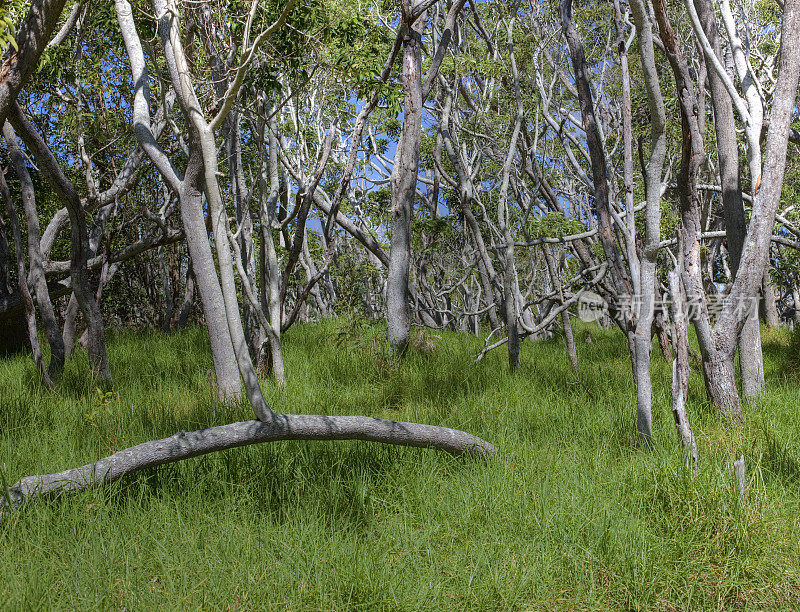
<point>404,183</point>
<point>750,356</point>
<point>717,357</point>
<point>37,276</point>
<point>680,367</point>
<point>271,295</point>
<point>233,146</point>
<point>188,300</point>
<point>770,302</point>
<point>203,135</point>
<point>766,199</point>
<point>22,283</point>
<point>194,224</point>
<point>80,243</point>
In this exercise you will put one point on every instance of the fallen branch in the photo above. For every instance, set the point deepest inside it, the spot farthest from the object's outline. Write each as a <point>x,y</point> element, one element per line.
<point>185,445</point>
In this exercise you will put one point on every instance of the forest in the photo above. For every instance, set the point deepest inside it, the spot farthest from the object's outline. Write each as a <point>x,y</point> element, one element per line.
<point>400,304</point>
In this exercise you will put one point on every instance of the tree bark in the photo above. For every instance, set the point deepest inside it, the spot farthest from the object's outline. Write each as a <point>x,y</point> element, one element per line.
<point>404,183</point>
<point>70,334</point>
<point>194,223</point>
<point>680,367</point>
<point>188,300</point>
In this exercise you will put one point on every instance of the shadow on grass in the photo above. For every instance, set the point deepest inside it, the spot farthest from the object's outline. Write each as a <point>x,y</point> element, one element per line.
<point>337,482</point>
<point>778,459</point>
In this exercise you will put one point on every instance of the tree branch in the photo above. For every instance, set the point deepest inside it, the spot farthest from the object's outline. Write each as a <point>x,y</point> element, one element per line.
<point>185,445</point>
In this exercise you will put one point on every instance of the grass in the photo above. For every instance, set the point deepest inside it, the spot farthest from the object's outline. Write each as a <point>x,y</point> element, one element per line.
<point>570,516</point>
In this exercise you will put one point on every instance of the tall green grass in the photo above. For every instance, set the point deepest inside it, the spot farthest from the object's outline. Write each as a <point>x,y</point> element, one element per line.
<point>570,515</point>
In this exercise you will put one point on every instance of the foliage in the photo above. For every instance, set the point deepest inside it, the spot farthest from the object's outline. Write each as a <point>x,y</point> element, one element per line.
<point>554,225</point>
<point>9,12</point>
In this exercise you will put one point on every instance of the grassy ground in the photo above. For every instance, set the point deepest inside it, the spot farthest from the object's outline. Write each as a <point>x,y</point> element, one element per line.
<point>570,516</point>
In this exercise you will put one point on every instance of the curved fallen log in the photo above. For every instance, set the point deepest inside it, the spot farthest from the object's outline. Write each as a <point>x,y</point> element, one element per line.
<point>184,445</point>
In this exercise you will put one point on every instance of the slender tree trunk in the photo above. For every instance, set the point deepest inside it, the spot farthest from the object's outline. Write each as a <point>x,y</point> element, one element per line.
<point>750,356</point>
<point>188,300</point>
<point>191,202</point>
<point>37,276</point>
<point>680,367</point>
<point>233,146</point>
<point>404,183</point>
<point>510,283</point>
<point>770,302</point>
<point>80,243</point>
<point>569,339</point>
<point>648,282</point>
<point>272,272</point>
<point>717,360</point>
<point>22,283</point>
<point>597,153</point>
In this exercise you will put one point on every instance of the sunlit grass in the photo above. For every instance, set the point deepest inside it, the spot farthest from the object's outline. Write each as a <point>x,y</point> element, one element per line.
<point>570,515</point>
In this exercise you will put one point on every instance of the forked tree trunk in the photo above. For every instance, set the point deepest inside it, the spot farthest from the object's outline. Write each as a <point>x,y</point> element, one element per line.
<point>79,273</point>
<point>718,364</point>
<point>22,284</point>
<point>767,198</point>
<point>750,358</point>
<point>38,279</point>
<point>203,132</point>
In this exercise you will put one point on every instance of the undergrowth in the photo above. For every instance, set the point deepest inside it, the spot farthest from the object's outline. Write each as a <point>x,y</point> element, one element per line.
<point>569,516</point>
